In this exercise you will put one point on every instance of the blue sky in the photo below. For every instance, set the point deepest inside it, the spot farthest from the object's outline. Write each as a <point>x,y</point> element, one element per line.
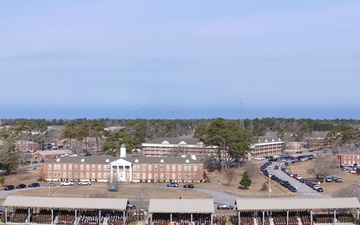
<point>182,59</point>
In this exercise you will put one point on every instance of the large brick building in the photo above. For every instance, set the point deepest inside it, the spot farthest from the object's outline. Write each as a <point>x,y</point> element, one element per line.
<point>126,169</point>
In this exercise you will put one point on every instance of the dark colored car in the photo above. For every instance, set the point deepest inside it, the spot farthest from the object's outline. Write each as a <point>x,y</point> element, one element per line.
<point>223,206</point>
<point>172,184</point>
<point>34,185</point>
<point>189,186</point>
<point>9,187</point>
<point>20,186</point>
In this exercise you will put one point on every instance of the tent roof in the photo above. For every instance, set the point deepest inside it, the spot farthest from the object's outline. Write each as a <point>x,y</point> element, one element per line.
<point>181,206</point>
<point>296,203</point>
<point>72,203</point>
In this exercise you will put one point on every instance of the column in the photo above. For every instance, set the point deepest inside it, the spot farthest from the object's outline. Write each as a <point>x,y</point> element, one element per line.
<point>212,218</point>
<point>287,217</point>
<point>28,217</point>
<point>76,219</point>
<point>238,217</point>
<point>191,217</point>
<point>170,217</point>
<point>311,217</point>
<point>334,216</point>
<point>263,223</point>
<point>124,217</point>
<point>52,216</point>
<point>99,216</point>
<point>6,214</point>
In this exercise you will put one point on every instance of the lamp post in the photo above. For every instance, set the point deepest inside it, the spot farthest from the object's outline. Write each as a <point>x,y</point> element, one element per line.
<point>49,188</point>
<point>269,185</point>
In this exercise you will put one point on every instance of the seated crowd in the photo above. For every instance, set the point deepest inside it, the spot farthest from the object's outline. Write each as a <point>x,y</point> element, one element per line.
<point>19,215</point>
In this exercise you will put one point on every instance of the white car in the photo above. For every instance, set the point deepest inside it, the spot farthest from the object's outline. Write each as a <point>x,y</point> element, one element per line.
<point>84,183</point>
<point>67,183</point>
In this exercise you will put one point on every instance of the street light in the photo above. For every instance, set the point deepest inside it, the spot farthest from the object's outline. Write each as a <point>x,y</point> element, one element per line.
<point>49,188</point>
<point>269,185</point>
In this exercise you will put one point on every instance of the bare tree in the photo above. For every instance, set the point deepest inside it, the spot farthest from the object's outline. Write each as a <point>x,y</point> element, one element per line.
<point>252,170</point>
<point>322,167</point>
<point>348,191</point>
<point>230,175</point>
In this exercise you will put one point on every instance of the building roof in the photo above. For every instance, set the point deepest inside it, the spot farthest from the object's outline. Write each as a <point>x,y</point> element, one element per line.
<point>296,203</point>
<point>175,141</point>
<point>53,152</point>
<point>134,160</point>
<point>68,203</point>
<point>84,159</point>
<point>181,206</point>
<point>165,160</point>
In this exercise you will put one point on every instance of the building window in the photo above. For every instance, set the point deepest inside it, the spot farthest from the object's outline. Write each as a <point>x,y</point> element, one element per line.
<point>70,166</point>
<point>167,176</point>
<point>144,168</point>
<point>76,167</point>
<point>108,167</point>
<point>49,175</point>
<point>167,167</point>
<point>55,166</point>
<point>161,176</point>
<point>195,167</point>
<point>179,167</point>
<point>185,176</point>
<point>155,168</point>
<point>64,166</point>
<point>179,176</point>
<point>173,168</point>
<point>155,176</point>
<point>93,167</point>
<point>185,168</point>
<point>144,176</point>
<point>99,167</point>
<point>87,175</point>
<point>70,174</point>
<point>49,166</point>
<point>99,176</point>
<point>195,176</point>
<point>76,175</point>
<point>189,167</point>
<point>150,167</point>
<point>149,176</point>
<point>81,167</point>
<point>81,175</point>
<point>161,168</point>
<point>58,174</point>
<point>173,176</point>
<point>105,166</point>
<point>189,176</point>
<point>87,167</point>
<point>105,176</point>
<point>93,175</point>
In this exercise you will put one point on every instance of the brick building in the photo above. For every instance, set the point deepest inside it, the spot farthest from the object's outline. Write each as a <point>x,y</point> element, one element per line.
<point>127,169</point>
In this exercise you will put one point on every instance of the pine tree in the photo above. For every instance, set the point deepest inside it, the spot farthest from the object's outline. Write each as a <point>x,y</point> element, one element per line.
<point>245,180</point>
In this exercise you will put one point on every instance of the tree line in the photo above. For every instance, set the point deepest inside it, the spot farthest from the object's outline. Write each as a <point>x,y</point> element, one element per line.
<point>231,136</point>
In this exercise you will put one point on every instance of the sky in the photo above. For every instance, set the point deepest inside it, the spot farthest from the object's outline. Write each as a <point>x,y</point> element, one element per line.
<point>179,59</point>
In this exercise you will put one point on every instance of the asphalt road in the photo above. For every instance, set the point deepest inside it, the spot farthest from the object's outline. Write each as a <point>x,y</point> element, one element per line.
<point>303,190</point>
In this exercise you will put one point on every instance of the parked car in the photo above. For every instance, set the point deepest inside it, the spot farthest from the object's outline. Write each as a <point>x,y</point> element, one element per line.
<point>84,183</point>
<point>50,185</point>
<point>224,206</point>
<point>189,186</point>
<point>173,184</point>
<point>9,187</point>
<point>34,185</point>
<point>67,183</point>
<point>20,186</point>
